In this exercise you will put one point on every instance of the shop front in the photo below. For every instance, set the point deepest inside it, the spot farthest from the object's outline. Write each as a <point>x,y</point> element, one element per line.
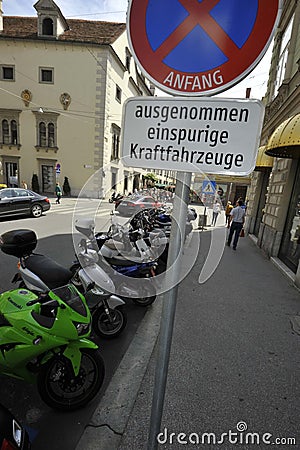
<point>289,251</point>
<point>283,199</point>
<point>258,190</point>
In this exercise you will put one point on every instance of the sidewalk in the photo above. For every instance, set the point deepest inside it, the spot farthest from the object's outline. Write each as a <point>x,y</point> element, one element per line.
<point>235,360</point>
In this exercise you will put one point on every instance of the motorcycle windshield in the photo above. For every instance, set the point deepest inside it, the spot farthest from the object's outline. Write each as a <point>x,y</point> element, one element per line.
<point>100,278</point>
<point>71,297</point>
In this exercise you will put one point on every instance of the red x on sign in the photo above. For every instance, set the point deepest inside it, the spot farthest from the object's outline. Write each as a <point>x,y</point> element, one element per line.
<point>195,47</point>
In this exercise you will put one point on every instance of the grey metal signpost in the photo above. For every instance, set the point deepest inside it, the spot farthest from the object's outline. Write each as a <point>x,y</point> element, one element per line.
<point>169,303</point>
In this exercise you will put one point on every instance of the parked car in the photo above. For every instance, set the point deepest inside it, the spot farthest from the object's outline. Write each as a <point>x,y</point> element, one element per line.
<point>13,436</point>
<point>17,201</point>
<point>131,205</point>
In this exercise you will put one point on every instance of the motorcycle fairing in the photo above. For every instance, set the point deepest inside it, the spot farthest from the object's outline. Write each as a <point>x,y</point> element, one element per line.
<point>73,353</point>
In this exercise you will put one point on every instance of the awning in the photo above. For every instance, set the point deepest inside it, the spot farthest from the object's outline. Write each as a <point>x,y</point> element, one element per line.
<point>263,160</point>
<point>285,141</point>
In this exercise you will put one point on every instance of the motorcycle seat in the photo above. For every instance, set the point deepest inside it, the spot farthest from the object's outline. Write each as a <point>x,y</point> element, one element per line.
<point>49,271</point>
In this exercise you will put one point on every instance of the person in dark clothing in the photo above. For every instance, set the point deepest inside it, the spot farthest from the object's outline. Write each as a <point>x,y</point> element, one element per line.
<point>237,217</point>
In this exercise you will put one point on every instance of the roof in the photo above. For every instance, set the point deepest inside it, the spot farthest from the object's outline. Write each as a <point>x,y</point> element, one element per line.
<point>81,31</point>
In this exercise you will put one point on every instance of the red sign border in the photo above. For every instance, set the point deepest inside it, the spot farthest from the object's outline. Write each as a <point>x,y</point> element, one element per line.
<point>233,71</point>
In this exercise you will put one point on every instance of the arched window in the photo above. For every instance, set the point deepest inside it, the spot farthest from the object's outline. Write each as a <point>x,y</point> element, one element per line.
<point>47,27</point>
<point>42,135</point>
<point>46,130</point>
<point>51,140</point>
<point>5,132</point>
<point>9,127</point>
<point>14,132</point>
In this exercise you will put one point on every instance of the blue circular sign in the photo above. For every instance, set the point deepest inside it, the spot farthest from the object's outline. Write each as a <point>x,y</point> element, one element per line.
<point>199,46</point>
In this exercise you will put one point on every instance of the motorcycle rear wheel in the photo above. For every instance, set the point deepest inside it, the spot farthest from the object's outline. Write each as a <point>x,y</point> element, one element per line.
<point>112,326</point>
<point>60,389</point>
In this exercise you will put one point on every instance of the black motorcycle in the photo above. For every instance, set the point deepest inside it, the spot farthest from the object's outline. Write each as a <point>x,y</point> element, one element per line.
<point>160,218</point>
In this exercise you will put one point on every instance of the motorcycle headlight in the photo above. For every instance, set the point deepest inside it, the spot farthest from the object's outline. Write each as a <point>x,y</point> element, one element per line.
<point>82,328</point>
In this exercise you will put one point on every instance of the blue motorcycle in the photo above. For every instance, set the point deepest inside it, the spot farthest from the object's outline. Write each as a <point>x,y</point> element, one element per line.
<point>114,263</point>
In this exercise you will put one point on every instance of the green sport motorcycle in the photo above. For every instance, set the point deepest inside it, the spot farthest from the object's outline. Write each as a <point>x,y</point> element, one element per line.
<point>43,338</point>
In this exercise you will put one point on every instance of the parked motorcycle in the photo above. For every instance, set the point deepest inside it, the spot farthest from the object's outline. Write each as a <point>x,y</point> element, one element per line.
<point>122,271</point>
<point>39,273</point>
<point>133,252</point>
<point>13,435</point>
<point>44,335</point>
<point>115,197</point>
<point>161,218</point>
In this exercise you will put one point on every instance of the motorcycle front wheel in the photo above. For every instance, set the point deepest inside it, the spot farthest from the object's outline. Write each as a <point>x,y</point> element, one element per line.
<point>147,299</point>
<point>144,301</point>
<point>60,389</point>
<point>109,325</point>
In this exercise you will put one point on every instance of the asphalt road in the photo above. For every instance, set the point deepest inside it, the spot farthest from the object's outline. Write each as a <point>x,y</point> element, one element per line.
<point>48,428</point>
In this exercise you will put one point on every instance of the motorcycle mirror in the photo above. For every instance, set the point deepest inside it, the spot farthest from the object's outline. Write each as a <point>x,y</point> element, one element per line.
<point>85,226</point>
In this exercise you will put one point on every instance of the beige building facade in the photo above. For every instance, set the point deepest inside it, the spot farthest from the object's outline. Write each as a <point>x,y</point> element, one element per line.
<point>63,84</point>
<point>273,214</point>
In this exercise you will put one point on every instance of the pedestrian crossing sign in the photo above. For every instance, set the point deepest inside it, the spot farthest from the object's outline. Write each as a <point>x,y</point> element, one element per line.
<point>209,187</point>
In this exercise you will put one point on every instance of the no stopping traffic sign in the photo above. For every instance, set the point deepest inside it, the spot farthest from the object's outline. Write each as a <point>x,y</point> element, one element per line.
<point>196,47</point>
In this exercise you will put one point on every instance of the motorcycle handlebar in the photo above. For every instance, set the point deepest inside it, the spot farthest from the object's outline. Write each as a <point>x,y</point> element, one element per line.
<point>42,298</point>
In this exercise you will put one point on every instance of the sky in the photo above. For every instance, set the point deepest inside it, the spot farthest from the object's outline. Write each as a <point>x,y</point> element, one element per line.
<point>115,11</point>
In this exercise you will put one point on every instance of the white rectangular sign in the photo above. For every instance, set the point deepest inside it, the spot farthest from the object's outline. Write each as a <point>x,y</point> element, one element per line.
<point>211,135</point>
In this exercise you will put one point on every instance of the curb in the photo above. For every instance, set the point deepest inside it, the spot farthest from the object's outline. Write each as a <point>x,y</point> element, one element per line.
<point>109,421</point>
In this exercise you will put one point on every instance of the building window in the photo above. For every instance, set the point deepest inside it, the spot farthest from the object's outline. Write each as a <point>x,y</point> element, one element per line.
<point>7,73</point>
<point>51,135</point>
<point>127,60</point>
<point>46,126</point>
<point>283,56</point>
<point>118,93</point>
<point>9,132</point>
<point>5,132</point>
<point>46,135</point>
<point>14,132</point>
<point>46,75</point>
<point>47,28</point>
<point>114,181</point>
<point>42,134</point>
<point>115,150</point>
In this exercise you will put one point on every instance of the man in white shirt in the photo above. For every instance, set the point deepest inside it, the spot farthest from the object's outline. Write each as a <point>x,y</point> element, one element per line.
<point>237,217</point>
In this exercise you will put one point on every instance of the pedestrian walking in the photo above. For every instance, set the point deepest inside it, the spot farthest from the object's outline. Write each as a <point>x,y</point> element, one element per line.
<point>237,217</point>
<point>244,205</point>
<point>228,210</point>
<point>58,193</point>
<point>216,212</point>
<point>24,184</point>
